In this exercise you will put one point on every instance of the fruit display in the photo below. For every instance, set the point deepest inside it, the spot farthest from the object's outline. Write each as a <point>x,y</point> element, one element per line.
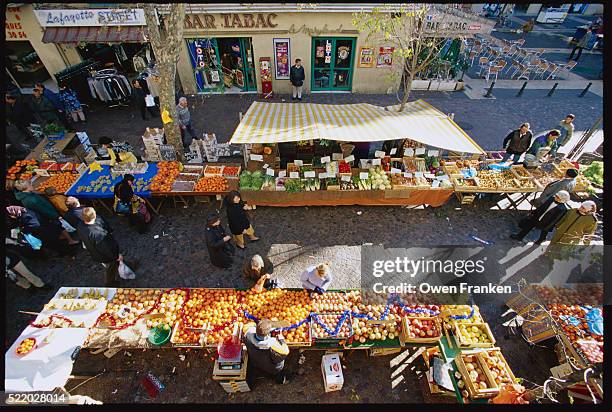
<point>330,302</point>
<point>331,321</point>
<point>592,351</point>
<point>584,294</point>
<point>571,318</point>
<point>213,309</point>
<point>72,304</point>
<point>521,172</point>
<point>22,170</point>
<point>231,171</point>
<point>187,177</point>
<point>380,180</point>
<point>497,366</point>
<point>251,180</point>
<point>452,314</point>
<point>166,175</point>
<point>213,170</point>
<point>417,329</point>
<point>102,184</point>
<point>61,182</point>
<point>181,336</point>
<point>474,335</point>
<point>137,302</point>
<point>474,378</point>
<point>26,346</point>
<point>89,293</point>
<point>506,180</point>
<point>369,331</point>
<point>451,168</point>
<point>212,184</point>
<point>193,169</point>
<point>344,167</point>
<point>170,305</point>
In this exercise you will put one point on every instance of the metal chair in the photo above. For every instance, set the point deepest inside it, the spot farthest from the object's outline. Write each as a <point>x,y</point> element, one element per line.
<point>520,42</point>
<point>501,63</point>
<point>567,68</point>
<point>513,65</point>
<point>553,68</point>
<point>493,70</point>
<point>538,52</point>
<point>472,57</point>
<point>523,71</point>
<point>542,67</point>
<point>483,63</point>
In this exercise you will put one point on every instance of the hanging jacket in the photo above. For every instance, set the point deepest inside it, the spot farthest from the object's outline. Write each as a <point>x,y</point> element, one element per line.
<point>37,203</point>
<point>574,228</point>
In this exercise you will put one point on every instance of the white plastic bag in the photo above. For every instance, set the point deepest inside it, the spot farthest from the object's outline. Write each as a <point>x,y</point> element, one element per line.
<point>149,100</point>
<point>67,226</point>
<point>125,272</point>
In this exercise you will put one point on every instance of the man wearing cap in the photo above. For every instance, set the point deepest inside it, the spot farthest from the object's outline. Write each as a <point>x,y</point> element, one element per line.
<point>568,183</point>
<point>267,354</point>
<point>217,242</point>
<point>544,217</point>
<point>577,226</point>
<point>517,142</point>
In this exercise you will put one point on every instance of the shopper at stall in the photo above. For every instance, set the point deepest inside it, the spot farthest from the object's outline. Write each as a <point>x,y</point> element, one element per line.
<point>26,196</point>
<point>56,102</point>
<point>296,77</point>
<point>577,226</point>
<point>101,245</point>
<point>129,204</point>
<point>582,43</point>
<point>58,200</point>
<point>121,157</point>
<point>48,231</point>
<point>71,103</point>
<point>43,109</point>
<point>566,127</point>
<point>568,183</point>
<point>218,243</point>
<point>544,217</point>
<point>140,91</point>
<point>74,215</point>
<point>238,220</point>
<point>545,141</point>
<point>516,143</point>
<point>316,278</point>
<point>19,114</point>
<point>184,121</point>
<point>258,270</point>
<point>267,354</point>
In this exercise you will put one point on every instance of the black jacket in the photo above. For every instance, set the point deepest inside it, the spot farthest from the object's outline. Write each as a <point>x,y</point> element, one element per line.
<point>551,218</point>
<point>45,229</point>
<point>265,359</point>
<point>124,191</point>
<point>517,144</point>
<point>139,95</point>
<point>297,76</point>
<point>237,218</point>
<point>220,252</point>
<point>74,216</point>
<point>99,241</point>
<point>20,114</point>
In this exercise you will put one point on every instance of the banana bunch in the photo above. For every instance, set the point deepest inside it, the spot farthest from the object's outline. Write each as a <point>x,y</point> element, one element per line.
<point>82,305</point>
<point>93,293</point>
<point>71,294</point>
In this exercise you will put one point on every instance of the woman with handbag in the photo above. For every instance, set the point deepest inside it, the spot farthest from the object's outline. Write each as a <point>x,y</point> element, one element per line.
<point>129,204</point>
<point>218,243</point>
<point>46,231</point>
<point>142,96</point>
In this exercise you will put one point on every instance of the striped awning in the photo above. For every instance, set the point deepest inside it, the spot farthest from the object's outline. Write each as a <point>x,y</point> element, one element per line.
<point>289,122</point>
<point>109,34</point>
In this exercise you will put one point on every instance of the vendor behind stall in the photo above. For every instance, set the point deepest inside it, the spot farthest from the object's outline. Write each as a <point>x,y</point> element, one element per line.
<point>266,353</point>
<point>124,157</point>
<point>316,278</point>
<point>259,270</point>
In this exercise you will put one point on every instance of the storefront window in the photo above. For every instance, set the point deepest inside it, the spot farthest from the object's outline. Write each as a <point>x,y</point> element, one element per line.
<point>23,64</point>
<point>332,63</point>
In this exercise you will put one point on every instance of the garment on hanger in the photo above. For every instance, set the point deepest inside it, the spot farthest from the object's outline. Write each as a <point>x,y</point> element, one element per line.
<point>108,86</point>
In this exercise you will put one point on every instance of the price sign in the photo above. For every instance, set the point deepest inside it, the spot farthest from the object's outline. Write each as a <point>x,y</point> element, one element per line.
<point>270,172</point>
<point>435,183</point>
<point>322,175</point>
<point>393,151</point>
<point>258,158</point>
<point>443,177</point>
<point>310,174</point>
<point>294,175</point>
<point>346,178</point>
<point>282,173</point>
<point>364,175</point>
<point>375,162</point>
<point>299,163</point>
<point>337,156</point>
<point>418,174</point>
<point>394,170</point>
<point>433,152</point>
<point>325,159</point>
<point>266,166</point>
<point>407,174</point>
<point>419,151</point>
<point>41,172</point>
<point>409,152</point>
<point>430,175</point>
<point>350,158</point>
<point>379,153</point>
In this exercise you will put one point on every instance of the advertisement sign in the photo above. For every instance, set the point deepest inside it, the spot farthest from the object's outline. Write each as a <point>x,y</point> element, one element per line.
<point>282,58</point>
<point>91,17</point>
<point>385,57</point>
<point>366,57</point>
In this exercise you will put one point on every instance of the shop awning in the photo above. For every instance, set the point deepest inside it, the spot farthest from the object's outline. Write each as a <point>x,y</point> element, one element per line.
<point>289,122</point>
<point>110,34</point>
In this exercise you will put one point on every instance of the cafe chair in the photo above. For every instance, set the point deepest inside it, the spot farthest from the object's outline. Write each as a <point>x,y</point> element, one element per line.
<point>493,70</point>
<point>483,63</point>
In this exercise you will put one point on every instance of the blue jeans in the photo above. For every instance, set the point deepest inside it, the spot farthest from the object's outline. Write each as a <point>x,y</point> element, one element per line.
<point>515,159</point>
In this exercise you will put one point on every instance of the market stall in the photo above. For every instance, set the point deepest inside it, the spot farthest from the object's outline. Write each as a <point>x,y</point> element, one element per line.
<point>204,318</point>
<point>326,169</point>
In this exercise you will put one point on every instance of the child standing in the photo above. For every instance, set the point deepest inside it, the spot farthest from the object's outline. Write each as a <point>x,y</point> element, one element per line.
<point>71,103</point>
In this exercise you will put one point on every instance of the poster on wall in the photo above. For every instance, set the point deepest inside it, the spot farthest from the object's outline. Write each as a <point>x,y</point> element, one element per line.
<point>282,58</point>
<point>366,57</point>
<point>385,57</point>
<point>320,51</point>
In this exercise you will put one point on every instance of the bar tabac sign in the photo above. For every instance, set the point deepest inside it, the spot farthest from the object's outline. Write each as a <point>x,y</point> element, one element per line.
<point>230,21</point>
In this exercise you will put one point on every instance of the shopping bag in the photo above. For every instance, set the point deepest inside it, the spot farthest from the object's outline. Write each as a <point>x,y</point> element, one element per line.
<point>33,241</point>
<point>122,208</point>
<point>67,226</point>
<point>149,100</point>
<point>144,212</point>
<point>125,272</point>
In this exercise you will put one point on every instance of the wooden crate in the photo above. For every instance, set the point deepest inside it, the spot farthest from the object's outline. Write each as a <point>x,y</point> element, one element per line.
<point>383,351</point>
<point>520,172</point>
<point>539,331</point>
<point>477,393</point>
<point>463,344</point>
<point>199,344</point>
<point>235,386</point>
<point>404,332</point>
<point>465,199</point>
<point>495,351</point>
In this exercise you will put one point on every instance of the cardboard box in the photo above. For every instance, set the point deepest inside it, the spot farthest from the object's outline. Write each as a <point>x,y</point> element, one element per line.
<point>332,372</point>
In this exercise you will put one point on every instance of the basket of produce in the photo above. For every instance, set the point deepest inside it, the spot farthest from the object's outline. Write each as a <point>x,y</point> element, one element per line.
<point>231,172</point>
<point>269,183</point>
<point>183,337</point>
<point>520,172</point>
<point>497,366</point>
<point>294,185</point>
<point>311,184</point>
<point>210,170</point>
<point>211,184</point>
<point>193,169</point>
<point>451,169</point>
<point>475,377</point>
<point>25,346</point>
<point>251,180</point>
<point>325,324</point>
<point>464,314</point>
<point>160,334</point>
<point>380,180</point>
<point>421,329</point>
<point>464,184</point>
<point>332,184</point>
<point>187,177</point>
<point>474,335</point>
<point>179,186</point>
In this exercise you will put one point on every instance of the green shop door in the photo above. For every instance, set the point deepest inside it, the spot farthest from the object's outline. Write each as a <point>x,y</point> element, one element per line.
<point>333,61</point>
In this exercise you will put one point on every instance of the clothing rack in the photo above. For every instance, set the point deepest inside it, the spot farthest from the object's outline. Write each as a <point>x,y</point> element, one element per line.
<point>76,78</point>
<point>109,86</point>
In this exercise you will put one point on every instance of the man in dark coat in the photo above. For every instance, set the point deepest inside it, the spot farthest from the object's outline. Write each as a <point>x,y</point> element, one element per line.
<point>43,108</point>
<point>266,353</point>
<point>217,242</point>
<point>139,91</point>
<point>296,77</point>
<point>517,142</point>
<point>74,215</point>
<point>544,217</point>
<point>100,243</point>
<point>568,183</point>
<point>238,220</point>
<point>19,114</point>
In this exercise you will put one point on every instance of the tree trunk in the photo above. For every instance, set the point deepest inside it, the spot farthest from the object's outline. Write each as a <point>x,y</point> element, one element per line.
<point>167,100</point>
<point>407,90</point>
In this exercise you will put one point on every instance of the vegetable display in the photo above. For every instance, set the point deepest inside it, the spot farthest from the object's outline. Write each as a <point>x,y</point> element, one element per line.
<point>251,180</point>
<point>380,180</point>
<point>595,173</point>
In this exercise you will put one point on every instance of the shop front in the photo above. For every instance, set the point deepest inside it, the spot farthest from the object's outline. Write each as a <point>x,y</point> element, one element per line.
<point>333,59</point>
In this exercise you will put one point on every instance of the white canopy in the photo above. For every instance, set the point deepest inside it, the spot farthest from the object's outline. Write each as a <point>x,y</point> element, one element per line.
<point>289,122</point>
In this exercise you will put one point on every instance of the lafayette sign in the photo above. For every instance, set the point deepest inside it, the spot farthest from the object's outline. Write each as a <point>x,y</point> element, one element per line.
<point>96,17</point>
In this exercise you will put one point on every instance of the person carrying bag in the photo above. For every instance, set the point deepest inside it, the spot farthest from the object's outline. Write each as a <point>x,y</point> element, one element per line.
<point>129,204</point>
